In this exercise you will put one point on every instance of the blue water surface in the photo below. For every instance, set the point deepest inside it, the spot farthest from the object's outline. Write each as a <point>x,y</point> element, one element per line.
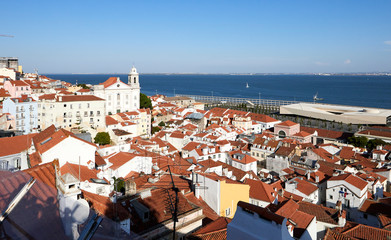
<point>366,91</point>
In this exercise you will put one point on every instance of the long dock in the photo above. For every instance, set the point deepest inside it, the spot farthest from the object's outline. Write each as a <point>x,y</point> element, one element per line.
<point>232,100</point>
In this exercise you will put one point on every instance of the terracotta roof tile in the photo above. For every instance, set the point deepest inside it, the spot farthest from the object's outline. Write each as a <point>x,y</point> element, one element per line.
<point>261,191</point>
<point>45,173</point>
<point>287,123</point>
<point>216,230</point>
<point>350,178</point>
<point>14,145</point>
<point>77,98</point>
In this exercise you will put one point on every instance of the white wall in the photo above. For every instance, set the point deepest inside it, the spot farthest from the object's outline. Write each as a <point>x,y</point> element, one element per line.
<point>70,150</point>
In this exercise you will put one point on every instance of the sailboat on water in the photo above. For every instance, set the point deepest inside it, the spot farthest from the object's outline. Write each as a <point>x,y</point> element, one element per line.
<point>247,86</point>
<point>316,98</point>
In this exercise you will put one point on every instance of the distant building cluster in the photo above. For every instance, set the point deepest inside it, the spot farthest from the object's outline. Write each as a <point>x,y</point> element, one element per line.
<point>213,173</point>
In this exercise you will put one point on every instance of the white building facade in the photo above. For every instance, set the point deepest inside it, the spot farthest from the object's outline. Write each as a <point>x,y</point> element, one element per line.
<point>119,96</point>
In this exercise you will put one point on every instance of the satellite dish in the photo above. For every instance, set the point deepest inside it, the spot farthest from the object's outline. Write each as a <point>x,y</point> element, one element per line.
<point>80,211</point>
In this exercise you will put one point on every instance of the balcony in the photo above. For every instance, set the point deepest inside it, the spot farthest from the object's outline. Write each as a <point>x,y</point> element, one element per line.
<point>20,116</point>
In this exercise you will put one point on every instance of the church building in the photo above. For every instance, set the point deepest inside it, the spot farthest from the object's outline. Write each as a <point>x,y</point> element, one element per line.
<point>119,96</point>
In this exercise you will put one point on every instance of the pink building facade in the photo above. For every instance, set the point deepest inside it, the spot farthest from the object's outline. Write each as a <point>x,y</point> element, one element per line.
<point>17,88</point>
<point>286,129</point>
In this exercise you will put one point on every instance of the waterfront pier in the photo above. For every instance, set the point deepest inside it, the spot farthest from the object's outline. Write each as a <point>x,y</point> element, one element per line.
<point>233,100</point>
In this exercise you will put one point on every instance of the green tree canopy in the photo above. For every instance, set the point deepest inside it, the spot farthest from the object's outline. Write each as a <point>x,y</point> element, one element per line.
<point>83,85</point>
<point>102,138</point>
<point>358,141</point>
<point>373,143</point>
<point>155,129</point>
<point>162,124</point>
<point>145,102</point>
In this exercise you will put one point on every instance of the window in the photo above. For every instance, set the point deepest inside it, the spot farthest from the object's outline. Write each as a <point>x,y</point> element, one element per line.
<point>330,196</point>
<point>134,79</point>
<point>227,212</point>
<point>281,134</point>
<point>65,105</point>
<point>17,163</point>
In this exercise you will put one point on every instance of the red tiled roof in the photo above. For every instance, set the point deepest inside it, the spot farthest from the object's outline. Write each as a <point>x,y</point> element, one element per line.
<point>111,121</point>
<point>216,230</point>
<point>4,93</point>
<point>347,153</point>
<point>367,232</point>
<point>120,159</point>
<point>45,173</point>
<point>260,190</point>
<point>86,174</point>
<point>302,134</point>
<point>105,207</point>
<point>350,178</point>
<point>99,161</point>
<point>326,133</point>
<point>37,215</point>
<point>19,83</point>
<point>110,81</point>
<point>305,187</point>
<point>376,133</point>
<point>15,145</point>
<point>322,214</point>
<point>51,96</point>
<point>287,123</point>
<point>77,98</point>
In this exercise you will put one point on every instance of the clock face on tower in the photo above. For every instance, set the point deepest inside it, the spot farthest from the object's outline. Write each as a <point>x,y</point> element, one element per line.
<point>117,85</point>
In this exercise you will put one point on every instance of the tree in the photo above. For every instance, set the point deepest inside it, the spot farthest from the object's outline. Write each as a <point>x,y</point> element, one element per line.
<point>155,130</point>
<point>145,102</point>
<point>162,124</point>
<point>358,141</point>
<point>83,85</point>
<point>373,143</point>
<point>102,138</point>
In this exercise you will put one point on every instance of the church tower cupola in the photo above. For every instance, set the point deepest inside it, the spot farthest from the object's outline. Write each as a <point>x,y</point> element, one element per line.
<point>133,78</point>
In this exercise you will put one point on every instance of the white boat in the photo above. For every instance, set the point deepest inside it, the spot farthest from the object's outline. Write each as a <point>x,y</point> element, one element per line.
<point>247,86</point>
<point>316,98</point>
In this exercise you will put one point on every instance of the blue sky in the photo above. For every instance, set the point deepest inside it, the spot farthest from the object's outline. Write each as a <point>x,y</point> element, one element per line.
<point>198,36</point>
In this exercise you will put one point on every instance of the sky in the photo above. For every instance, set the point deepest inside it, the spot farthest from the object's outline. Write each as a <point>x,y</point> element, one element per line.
<point>196,36</point>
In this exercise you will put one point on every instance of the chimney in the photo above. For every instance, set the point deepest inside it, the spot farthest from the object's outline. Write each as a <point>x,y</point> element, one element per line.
<point>316,178</point>
<point>308,175</point>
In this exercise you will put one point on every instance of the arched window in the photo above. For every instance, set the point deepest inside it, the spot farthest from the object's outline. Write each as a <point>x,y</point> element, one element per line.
<point>281,134</point>
<point>134,79</point>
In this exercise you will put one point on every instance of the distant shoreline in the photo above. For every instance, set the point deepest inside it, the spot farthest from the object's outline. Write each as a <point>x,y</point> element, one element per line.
<point>236,74</point>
